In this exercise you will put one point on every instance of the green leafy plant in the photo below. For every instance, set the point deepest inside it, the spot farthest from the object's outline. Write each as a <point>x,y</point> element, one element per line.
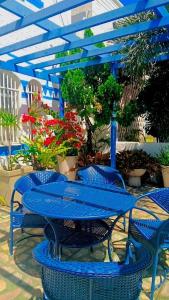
<point>136,159</point>
<point>163,157</point>
<point>9,122</point>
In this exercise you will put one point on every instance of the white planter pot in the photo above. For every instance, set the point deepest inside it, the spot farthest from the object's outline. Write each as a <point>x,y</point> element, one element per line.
<point>135,177</point>
<point>7,181</point>
<point>165,173</point>
<point>68,166</point>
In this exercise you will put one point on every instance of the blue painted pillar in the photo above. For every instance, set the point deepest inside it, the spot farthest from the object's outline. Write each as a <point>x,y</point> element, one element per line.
<point>113,127</point>
<point>61,101</point>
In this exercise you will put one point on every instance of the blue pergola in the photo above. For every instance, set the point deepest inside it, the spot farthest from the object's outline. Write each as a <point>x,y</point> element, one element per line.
<point>50,69</point>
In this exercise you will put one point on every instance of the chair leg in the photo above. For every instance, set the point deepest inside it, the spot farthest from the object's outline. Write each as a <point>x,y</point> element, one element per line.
<point>124,222</point>
<point>110,249</point>
<point>11,240</point>
<point>155,264</point>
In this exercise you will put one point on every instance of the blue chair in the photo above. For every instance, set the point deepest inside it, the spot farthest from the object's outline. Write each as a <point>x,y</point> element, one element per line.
<point>91,280</point>
<point>153,232</point>
<point>19,216</point>
<point>99,174</point>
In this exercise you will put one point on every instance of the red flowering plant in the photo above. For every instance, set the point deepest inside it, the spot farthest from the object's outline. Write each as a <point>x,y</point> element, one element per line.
<point>66,133</point>
<point>50,137</point>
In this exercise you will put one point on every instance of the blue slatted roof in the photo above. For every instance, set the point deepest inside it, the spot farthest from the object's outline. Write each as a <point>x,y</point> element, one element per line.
<point>31,33</point>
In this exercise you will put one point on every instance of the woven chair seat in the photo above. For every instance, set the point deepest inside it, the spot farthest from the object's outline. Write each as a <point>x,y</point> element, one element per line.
<point>79,234</point>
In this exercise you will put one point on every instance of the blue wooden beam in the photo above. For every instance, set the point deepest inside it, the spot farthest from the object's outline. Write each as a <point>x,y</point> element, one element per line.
<point>85,54</point>
<point>118,33</point>
<point>128,10</point>
<point>37,3</point>
<point>161,11</point>
<point>97,61</point>
<point>23,11</point>
<point>96,52</point>
<point>41,15</point>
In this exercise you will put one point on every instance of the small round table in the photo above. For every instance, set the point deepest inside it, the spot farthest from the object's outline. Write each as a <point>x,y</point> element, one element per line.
<point>81,208</point>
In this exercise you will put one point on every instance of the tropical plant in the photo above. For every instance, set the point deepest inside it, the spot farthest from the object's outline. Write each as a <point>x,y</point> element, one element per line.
<point>9,122</point>
<point>136,159</point>
<point>163,157</point>
<point>143,48</point>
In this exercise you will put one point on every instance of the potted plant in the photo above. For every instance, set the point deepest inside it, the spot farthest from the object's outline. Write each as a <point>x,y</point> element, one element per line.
<point>134,163</point>
<point>69,137</point>
<point>163,159</point>
<point>10,171</point>
<point>37,154</point>
<point>52,141</point>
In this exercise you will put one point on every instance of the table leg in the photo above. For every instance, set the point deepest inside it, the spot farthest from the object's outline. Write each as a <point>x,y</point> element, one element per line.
<point>54,247</point>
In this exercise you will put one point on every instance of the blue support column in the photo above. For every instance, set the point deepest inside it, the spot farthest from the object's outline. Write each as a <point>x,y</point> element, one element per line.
<point>113,140</point>
<point>113,127</point>
<point>61,101</point>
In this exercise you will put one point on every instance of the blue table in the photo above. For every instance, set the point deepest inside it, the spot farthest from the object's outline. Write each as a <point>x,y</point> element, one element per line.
<point>73,200</point>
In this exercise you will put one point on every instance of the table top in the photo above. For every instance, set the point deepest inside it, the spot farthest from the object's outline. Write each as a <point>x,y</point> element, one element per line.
<point>75,200</point>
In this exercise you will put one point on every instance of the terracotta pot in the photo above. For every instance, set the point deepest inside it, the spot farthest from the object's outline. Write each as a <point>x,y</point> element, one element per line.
<point>165,173</point>
<point>68,166</point>
<point>135,177</point>
<point>7,181</point>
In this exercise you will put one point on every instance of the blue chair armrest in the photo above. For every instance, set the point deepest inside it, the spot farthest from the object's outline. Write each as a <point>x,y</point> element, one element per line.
<point>144,210</point>
<point>92,269</point>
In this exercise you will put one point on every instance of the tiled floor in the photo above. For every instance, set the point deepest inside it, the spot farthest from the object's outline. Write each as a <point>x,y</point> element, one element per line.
<point>20,274</point>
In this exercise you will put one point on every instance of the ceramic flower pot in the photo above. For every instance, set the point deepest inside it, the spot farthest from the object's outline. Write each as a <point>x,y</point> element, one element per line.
<point>135,177</point>
<point>165,174</point>
<point>68,166</point>
<point>7,181</point>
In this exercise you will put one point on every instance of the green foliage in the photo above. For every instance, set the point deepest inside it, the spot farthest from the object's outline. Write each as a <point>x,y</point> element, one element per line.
<point>40,157</point>
<point>153,102</point>
<point>78,93</point>
<point>140,54</point>
<point>92,91</point>
<point>163,157</point>
<point>108,94</point>
<point>127,115</point>
<point>9,122</point>
<point>88,33</point>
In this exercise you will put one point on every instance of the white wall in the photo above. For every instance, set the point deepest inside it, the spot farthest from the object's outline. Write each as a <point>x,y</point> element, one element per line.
<point>150,148</point>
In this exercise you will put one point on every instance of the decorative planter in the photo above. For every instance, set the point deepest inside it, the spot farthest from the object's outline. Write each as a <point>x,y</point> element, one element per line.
<point>68,166</point>
<point>165,173</point>
<point>135,177</point>
<point>7,181</point>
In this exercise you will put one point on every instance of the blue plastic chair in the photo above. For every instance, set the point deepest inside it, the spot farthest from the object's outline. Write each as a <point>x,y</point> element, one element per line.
<point>154,232</point>
<point>99,174</point>
<point>91,280</point>
<point>19,216</point>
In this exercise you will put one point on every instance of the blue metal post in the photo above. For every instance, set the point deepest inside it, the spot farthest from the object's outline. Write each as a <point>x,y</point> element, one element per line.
<point>61,100</point>
<point>113,127</point>
<point>113,140</point>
